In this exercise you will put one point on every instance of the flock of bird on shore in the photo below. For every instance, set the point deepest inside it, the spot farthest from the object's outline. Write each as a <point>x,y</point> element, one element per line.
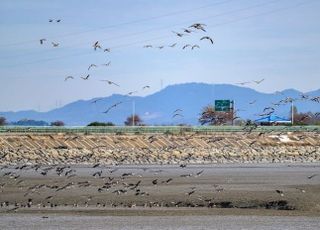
<point>103,182</point>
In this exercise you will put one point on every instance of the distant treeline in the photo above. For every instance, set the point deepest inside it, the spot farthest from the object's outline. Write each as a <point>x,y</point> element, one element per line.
<point>27,122</point>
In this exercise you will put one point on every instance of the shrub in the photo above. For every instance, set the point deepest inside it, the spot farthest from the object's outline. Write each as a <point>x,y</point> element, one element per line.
<point>57,123</point>
<point>96,123</point>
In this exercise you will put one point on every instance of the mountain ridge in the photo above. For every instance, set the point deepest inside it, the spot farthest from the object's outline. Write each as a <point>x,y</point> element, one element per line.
<point>157,108</point>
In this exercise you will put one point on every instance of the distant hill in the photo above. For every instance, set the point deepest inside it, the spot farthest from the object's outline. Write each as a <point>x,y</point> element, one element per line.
<point>157,108</point>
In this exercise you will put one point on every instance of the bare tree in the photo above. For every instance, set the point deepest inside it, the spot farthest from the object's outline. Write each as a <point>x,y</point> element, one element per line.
<point>136,120</point>
<point>308,118</point>
<point>211,117</point>
<point>2,121</point>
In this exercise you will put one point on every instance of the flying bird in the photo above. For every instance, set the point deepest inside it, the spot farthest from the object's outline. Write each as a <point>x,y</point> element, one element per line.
<point>86,78</point>
<point>55,44</point>
<point>96,45</point>
<point>146,87</point>
<point>177,110</point>
<point>198,26</point>
<point>50,20</point>
<point>187,31</point>
<point>110,82</point>
<point>185,46</point>
<point>96,165</point>
<point>199,173</point>
<point>177,114</point>
<point>68,77</point>
<point>42,40</point>
<point>304,96</point>
<point>107,50</point>
<point>312,176</point>
<point>316,99</point>
<point>173,45</point>
<point>268,109</point>
<point>195,46</point>
<point>258,81</point>
<point>190,193</point>
<point>107,64</point>
<point>92,65</point>
<point>112,106</point>
<point>147,46</point>
<point>208,38</point>
<point>178,34</point>
<point>160,47</point>
<point>59,20</point>
<point>132,92</point>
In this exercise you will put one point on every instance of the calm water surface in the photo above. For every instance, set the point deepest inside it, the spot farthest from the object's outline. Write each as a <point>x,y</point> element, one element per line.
<point>32,221</point>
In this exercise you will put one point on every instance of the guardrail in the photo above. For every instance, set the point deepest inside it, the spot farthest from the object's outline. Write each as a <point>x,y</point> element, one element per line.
<point>156,129</point>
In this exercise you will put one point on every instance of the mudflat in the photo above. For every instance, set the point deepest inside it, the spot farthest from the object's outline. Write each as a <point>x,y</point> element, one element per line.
<point>162,190</point>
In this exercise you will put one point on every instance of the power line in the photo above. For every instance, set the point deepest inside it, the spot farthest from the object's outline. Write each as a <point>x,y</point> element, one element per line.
<point>165,27</point>
<point>122,24</point>
<point>161,37</point>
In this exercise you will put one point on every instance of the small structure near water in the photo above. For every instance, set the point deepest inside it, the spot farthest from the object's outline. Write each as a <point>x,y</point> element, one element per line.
<point>272,120</point>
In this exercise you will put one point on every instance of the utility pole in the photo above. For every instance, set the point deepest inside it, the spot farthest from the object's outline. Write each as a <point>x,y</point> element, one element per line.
<point>233,111</point>
<point>292,113</point>
<point>133,112</point>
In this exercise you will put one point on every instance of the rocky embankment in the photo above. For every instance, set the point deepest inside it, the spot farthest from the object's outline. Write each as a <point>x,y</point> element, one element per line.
<point>237,147</point>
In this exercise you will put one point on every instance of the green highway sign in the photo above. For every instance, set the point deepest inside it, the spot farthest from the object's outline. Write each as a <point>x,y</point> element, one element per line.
<point>223,105</point>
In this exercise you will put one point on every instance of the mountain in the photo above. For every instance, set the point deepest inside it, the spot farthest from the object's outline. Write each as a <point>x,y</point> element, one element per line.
<point>157,108</point>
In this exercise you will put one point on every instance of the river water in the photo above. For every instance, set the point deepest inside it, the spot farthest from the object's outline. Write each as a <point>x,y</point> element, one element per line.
<point>34,221</point>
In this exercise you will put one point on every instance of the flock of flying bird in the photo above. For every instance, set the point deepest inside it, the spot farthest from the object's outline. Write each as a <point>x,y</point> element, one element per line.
<point>190,30</point>
<point>43,40</point>
<point>98,46</point>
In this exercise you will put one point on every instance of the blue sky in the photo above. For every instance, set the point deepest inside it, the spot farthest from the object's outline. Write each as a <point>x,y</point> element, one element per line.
<point>278,40</point>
